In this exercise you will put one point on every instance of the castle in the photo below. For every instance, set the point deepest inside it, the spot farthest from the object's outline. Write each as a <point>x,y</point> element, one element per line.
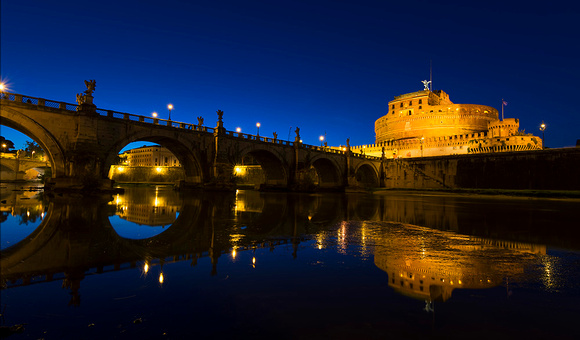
<point>427,123</point>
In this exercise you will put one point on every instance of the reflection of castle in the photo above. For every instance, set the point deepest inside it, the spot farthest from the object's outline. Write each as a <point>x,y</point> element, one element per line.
<point>430,271</point>
<point>426,123</point>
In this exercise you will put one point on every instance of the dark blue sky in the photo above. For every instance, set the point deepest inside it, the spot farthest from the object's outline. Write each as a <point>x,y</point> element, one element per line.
<point>324,66</point>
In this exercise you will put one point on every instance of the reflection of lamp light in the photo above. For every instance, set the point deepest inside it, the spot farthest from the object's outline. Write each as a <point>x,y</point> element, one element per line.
<point>146,267</point>
<point>234,253</point>
<point>161,279</point>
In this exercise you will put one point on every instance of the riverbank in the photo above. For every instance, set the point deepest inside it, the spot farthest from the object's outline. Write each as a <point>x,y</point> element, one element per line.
<point>564,194</point>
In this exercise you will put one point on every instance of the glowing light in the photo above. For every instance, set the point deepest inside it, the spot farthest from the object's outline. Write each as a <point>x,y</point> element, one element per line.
<point>2,87</point>
<point>121,169</point>
<point>161,278</point>
<point>158,169</point>
<point>154,114</point>
<point>27,213</point>
<point>170,106</point>
<point>146,268</point>
<point>459,281</point>
<point>253,260</point>
<point>234,254</point>
<point>258,124</point>
<point>238,129</point>
<point>321,138</point>
<point>42,215</point>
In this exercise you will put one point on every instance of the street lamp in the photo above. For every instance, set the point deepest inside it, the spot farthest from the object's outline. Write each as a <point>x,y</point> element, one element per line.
<point>32,157</point>
<point>170,107</point>
<point>258,126</point>
<point>321,140</point>
<point>542,128</point>
<point>238,129</point>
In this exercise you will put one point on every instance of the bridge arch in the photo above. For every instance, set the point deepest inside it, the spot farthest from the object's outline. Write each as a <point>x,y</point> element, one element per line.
<point>275,169</point>
<point>186,151</point>
<point>329,175</point>
<point>367,175</point>
<point>17,120</point>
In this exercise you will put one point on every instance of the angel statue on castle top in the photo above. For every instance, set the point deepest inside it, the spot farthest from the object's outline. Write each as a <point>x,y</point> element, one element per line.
<point>426,84</point>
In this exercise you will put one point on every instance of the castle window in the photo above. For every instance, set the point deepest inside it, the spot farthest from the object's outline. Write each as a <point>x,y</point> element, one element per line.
<point>420,101</point>
<point>410,102</point>
<point>393,107</point>
<point>420,107</point>
<point>401,104</point>
<point>409,112</point>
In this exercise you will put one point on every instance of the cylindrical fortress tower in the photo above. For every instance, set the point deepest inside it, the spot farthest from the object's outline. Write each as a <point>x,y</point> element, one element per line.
<point>426,114</point>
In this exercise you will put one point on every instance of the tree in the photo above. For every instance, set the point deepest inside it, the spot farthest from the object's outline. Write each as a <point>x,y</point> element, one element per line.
<point>6,144</point>
<point>32,147</point>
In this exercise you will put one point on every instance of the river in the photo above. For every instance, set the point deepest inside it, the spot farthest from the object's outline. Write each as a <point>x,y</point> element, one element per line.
<point>154,263</point>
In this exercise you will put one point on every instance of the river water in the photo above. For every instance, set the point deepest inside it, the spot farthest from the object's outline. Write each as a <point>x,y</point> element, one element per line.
<point>153,263</point>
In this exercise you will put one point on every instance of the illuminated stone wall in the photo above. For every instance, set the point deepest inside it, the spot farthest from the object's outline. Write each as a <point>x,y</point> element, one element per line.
<point>431,114</point>
<point>146,174</point>
<point>425,124</point>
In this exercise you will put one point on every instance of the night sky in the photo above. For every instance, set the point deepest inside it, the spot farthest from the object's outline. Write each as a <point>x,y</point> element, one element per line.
<point>324,66</point>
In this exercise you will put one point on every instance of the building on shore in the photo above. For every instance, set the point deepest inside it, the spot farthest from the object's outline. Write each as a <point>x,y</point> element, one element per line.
<point>427,123</point>
<point>154,155</point>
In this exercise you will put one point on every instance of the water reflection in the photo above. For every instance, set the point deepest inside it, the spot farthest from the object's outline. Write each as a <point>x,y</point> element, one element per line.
<point>427,264</point>
<point>427,245</point>
<point>22,208</point>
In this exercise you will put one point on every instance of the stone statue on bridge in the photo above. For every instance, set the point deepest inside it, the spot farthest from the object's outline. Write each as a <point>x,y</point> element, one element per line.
<point>275,135</point>
<point>90,84</point>
<point>81,98</point>
<point>220,114</point>
<point>200,121</point>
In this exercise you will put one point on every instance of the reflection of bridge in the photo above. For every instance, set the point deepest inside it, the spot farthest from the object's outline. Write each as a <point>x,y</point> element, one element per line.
<point>14,168</point>
<point>76,239</point>
<point>82,142</point>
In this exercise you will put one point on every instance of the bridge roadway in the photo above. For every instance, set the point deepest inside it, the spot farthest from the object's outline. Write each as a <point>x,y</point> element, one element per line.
<point>82,142</point>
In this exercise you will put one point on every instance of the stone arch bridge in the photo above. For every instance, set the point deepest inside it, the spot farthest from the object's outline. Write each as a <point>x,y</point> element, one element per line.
<point>82,142</point>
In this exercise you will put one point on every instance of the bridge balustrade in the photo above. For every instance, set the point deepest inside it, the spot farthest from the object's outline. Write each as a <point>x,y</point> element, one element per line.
<point>174,124</point>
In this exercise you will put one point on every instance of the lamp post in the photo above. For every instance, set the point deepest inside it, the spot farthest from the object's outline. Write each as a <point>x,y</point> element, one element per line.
<point>258,126</point>
<point>32,157</point>
<point>170,107</point>
<point>239,130</point>
<point>542,128</point>
<point>321,140</point>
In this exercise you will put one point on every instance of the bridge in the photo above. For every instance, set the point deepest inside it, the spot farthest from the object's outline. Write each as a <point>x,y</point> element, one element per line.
<point>13,167</point>
<point>82,141</point>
